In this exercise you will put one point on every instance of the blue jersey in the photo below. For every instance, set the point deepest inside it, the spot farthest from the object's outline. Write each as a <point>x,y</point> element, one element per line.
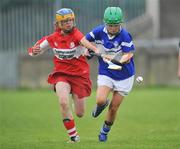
<point>120,43</point>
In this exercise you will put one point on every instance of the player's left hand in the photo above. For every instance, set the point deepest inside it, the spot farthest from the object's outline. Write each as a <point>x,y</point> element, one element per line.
<point>88,54</point>
<point>107,57</point>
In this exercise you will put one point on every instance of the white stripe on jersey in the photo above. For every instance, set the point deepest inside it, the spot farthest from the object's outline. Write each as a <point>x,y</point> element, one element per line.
<point>69,53</point>
<point>92,35</point>
<point>65,50</point>
<point>126,44</point>
<point>104,49</point>
<point>64,53</point>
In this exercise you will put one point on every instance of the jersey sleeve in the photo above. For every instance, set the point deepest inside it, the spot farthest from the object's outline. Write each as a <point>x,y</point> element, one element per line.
<point>30,51</point>
<point>50,39</point>
<point>93,35</point>
<point>78,35</point>
<point>127,43</point>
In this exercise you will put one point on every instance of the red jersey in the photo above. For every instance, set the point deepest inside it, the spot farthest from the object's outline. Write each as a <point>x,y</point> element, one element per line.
<point>69,64</point>
<point>64,48</point>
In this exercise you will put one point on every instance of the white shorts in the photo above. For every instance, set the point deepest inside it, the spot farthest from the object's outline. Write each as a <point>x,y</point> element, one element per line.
<point>122,86</point>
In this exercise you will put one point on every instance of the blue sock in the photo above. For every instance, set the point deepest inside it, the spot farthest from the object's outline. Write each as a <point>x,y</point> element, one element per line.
<point>106,127</point>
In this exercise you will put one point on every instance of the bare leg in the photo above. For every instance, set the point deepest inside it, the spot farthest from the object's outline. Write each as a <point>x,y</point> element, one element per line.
<point>79,105</point>
<point>101,100</point>
<point>102,94</point>
<point>111,115</point>
<point>114,106</point>
<point>63,91</point>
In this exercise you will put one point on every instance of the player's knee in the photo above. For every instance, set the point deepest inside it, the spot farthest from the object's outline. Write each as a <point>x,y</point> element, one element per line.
<point>63,102</point>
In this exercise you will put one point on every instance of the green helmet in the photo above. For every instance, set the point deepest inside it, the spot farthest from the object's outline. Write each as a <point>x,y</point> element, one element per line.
<point>113,15</point>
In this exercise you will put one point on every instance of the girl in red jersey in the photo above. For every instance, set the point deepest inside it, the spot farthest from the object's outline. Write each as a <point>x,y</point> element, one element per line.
<point>71,70</point>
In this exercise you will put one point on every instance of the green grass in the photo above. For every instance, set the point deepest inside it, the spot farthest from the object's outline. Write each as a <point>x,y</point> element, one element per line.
<point>149,118</point>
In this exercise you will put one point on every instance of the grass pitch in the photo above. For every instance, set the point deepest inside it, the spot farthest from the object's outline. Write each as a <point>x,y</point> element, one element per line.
<point>149,118</point>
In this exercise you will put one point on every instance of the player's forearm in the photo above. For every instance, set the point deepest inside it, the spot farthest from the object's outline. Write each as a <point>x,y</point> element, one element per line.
<point>88,45</point>
<point>126,57</point>
<point>38,49</point>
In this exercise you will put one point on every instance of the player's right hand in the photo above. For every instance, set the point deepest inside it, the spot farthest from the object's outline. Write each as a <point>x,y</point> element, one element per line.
<point>36,49</point>
<point>97,51</point>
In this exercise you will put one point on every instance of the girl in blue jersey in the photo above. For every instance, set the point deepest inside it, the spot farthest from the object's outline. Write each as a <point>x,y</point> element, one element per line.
<point>115,42</point>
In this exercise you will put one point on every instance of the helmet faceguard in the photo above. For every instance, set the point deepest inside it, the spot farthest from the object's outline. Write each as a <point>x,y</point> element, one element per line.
<point>63,16</point>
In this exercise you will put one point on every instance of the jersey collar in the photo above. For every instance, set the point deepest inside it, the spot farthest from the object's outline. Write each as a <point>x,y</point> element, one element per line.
<point>110,37</point>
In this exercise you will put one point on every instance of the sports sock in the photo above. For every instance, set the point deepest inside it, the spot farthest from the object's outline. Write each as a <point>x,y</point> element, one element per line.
<point>106,127</point>
<point>70,127</point>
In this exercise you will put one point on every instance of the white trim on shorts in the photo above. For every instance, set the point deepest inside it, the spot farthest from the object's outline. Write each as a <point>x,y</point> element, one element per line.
<point>122,86</point>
